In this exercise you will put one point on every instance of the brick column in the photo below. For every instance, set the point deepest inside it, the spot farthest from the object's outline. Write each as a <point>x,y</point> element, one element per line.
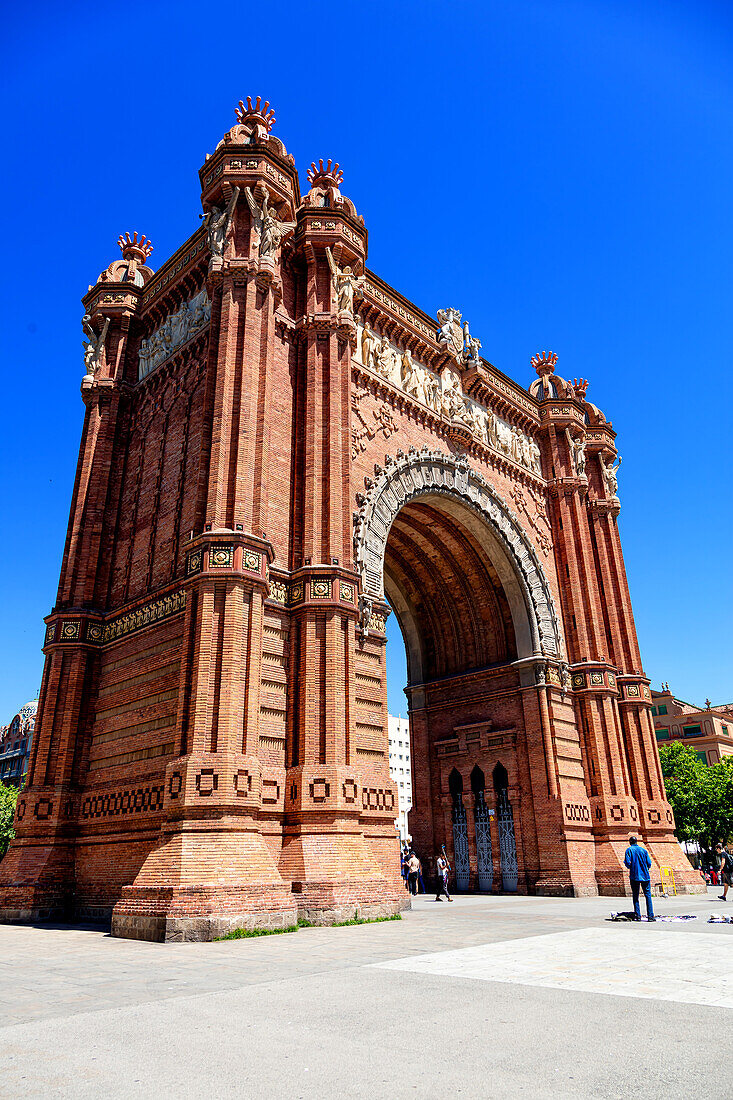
<point>37,874</point>
<point>649,815</point>
<point>339,838</point>
<point>593,676</point>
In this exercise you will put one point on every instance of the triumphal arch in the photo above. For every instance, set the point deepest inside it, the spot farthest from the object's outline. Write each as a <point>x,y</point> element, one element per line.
<point>279,450</point>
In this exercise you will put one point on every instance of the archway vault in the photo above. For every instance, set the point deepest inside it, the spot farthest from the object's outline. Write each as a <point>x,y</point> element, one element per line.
<point>459,488</point>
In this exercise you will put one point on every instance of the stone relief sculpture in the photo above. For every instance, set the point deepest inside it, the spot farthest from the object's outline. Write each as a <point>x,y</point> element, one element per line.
<point>268,226</point>
<point>177,328</point>
<point>471,347</point>
<point>218,222</point>
<point>577,453</point>
<point>346,285</point>
<point>450,333</point>
<point>93,345</point>
<point>444,395</point>
<point>610,476</point>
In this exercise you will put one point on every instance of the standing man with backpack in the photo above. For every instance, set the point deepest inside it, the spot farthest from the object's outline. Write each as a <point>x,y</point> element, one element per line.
<point>725,870</point>
<point>638,861</point>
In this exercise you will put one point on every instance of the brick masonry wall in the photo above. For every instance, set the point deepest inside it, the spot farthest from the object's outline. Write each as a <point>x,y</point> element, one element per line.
<point>212,734</point>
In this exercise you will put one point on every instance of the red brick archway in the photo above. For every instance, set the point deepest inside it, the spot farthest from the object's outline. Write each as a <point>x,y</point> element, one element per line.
<point>271,434</point>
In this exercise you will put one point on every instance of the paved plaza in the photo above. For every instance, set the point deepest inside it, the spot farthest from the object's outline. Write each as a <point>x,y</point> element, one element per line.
<point>490,997</point>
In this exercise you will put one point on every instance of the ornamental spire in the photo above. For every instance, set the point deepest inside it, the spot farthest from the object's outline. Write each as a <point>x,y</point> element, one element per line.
<point>258,115</point>
<point>134,249</point>
<point>544,363</point>
<point>329,175</point>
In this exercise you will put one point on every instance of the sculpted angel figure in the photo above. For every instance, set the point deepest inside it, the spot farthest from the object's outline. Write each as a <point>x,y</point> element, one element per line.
<point>345,283</point>
<point>93,345</point>
<point>610,476</point>
<point>577,453</point>
<point>267,224</point>
<point>218,222</point>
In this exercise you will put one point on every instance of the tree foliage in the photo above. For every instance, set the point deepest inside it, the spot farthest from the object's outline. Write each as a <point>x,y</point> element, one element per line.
<point>8,798</point>
<point>701,795</point>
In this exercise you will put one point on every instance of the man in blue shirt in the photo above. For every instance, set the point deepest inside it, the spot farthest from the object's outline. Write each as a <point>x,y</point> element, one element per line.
<point>638,861</point>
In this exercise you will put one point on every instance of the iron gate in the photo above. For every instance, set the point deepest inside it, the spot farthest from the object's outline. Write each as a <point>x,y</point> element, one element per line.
<point>460,843</point>
<point>484,855</point>
<point>507,842</point>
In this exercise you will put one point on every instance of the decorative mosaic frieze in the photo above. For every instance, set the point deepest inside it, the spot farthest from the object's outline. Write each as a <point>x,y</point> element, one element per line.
<point>221,557</point>
<point>251,560</point>
<point>321,590</point>
<point>153,612</point>
<point>195,562</point>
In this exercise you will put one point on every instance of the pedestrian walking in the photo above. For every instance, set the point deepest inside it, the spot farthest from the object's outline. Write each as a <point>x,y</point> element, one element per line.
<point>638,861</point>
<point>413,870</point>
<point>443,872</point>
<point>726,869</point>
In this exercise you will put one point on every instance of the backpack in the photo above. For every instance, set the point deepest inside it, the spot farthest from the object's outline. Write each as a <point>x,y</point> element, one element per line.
<point>727,863</point>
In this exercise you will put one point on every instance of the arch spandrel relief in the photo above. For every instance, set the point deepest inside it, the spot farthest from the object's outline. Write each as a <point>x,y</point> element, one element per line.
<point>434,473</point>
<point>443,394</point>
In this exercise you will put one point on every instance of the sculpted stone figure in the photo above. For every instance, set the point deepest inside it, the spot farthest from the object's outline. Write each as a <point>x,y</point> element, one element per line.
<point>384,358</point>
<point>450,333</point>
<point>610,477</point>
<point>268,226</point>
<point>93,345</point>
<point>577,453</point>
<point>345,283</point>
<point>367,347</point>
<point>452,401</point>
<point>218,222</point>
<point>471,347</point>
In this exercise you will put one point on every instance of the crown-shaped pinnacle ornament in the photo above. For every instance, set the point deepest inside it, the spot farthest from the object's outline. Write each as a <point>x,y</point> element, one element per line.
<point>329,175</point>
<point>257,112</point>
<point>580,387</point>
<point>544,362</point>
<point>134,249</point>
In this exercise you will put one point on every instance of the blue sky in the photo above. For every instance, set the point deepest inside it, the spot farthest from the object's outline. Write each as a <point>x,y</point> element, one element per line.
<point>559,170</point>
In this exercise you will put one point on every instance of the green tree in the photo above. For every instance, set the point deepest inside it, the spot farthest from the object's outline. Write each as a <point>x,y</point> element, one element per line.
<point>8,798</point>
<point>701,795</point>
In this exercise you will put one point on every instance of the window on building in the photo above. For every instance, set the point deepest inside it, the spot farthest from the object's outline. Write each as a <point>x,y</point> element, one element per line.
<point>662,735</point>
<point>702,756</point>
<point>725,731</point>
<point>691,731</point>
<point>654,712</point>
<point>662,709</point>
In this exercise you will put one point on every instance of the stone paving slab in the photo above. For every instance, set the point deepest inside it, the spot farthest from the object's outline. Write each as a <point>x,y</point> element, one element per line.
<point>672,967</point>
<point>316,1014</point>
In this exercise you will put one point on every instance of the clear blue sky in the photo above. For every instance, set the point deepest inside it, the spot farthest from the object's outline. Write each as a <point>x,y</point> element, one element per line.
<point>560,171</point>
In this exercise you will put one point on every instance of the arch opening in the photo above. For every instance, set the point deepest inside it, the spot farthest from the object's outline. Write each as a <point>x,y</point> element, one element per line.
<point>465,612</point>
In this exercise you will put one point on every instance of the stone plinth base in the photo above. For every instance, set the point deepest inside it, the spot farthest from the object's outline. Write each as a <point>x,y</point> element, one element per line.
<point>195,913</point>
<point>330,903</point>
<point>565,885</point>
